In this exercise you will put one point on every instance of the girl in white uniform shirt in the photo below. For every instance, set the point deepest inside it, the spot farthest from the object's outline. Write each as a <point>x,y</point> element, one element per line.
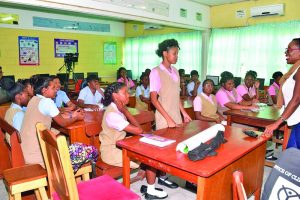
<point>143,93</point>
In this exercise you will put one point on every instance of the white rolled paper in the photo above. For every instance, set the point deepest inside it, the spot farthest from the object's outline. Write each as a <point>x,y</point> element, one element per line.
<point>199,138</point>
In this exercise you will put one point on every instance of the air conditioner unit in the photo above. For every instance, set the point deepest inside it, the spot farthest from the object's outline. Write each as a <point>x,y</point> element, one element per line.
<point>276,9</point>
<point>152,27</point>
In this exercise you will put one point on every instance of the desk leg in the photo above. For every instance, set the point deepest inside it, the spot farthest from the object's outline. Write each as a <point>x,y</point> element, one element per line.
<point>229,121</point>
<point>257,194</point>
<point>200,188</point>
<point>286,136</point>
<point>126,168</point>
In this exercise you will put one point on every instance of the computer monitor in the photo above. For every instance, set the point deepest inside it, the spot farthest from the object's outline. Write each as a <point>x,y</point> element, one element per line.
<point>12,77</point>
<point>92,73</point>
<point>62,77</point>
<point>271,81</point>
<point>215,79</point>
<point>261,83</point>
<point>78,76</point>
<point>237,81</point>
<point>43,75</point>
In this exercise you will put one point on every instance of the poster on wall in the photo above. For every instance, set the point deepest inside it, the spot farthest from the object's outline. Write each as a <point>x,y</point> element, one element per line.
<point>110,52</point>
<point>29,50</point>
<point>63,46</point>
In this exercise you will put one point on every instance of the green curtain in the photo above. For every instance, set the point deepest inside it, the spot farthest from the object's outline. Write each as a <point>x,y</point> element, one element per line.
<point>140,54</point>
<point>259,48</point>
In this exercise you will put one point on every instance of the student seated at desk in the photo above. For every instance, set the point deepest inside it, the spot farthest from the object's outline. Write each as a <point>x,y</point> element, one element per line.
<point>116,122</point>
<point>274,88</point>
<point>61,99</point>
<point>205,104</point>
<point>143,93</point>
<point>122,78</point>
<point>41,108</point>
<point>91,96</point>
<point>19,97</point>
<point>28,86</point>
<point>249,89</point>
<point>227,96</point>
<point>194,87</point>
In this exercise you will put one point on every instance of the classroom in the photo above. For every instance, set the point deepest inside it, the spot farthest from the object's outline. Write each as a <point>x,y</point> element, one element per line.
<point>155,99</point>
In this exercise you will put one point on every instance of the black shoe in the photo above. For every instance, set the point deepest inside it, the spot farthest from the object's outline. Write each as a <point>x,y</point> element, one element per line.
<point>167,183</point>
<point>150,196</point>
<point>269,151</point>
<point>271,158</point>
<point>191,186</point>
<point>144,189</point>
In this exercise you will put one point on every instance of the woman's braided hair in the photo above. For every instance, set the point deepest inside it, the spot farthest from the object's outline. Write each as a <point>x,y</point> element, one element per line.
<point>225,76</point>
<point>112,88</point>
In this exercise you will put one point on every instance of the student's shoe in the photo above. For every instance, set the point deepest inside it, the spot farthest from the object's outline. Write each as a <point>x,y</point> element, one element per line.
<point>271,158</point>
<point>191,186</point>
<point>159,195</point>
<point>144,189</point>
<point>167,183</point>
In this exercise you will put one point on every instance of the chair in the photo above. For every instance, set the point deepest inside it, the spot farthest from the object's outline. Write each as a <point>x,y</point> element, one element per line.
<point>61,178</point>
<point>237,81</point>
<point>21,178</point>
<point>237,186</point>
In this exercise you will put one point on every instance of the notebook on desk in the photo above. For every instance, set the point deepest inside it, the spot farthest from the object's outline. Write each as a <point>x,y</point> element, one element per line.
<point>156,140</point>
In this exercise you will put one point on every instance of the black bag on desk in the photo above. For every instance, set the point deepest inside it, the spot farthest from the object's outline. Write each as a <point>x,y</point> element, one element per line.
<point>204,149</point>
<point>283,182</point>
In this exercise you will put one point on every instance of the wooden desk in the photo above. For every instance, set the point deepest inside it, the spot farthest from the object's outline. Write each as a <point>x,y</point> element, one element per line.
<point>213,175</point>
<point>258,119</point>
<point>77,133</point>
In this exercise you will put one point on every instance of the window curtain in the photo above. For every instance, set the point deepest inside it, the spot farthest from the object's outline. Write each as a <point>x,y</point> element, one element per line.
<point>260,48</point>
<point>140,53</point>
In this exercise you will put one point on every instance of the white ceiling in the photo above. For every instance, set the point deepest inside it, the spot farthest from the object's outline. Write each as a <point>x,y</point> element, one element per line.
<point>217,2</point>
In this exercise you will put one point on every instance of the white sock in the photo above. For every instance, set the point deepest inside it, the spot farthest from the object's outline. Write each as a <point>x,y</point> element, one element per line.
<point>151,190</point>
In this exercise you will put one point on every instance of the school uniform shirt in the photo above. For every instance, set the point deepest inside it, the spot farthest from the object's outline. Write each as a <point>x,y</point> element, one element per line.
<point>145,92</point>
<point>207,105</point>
<point>39,109</point>
<point>190,88</point>
<point>242,90</point>
<point>167,85</point>
<point>224,96</point>
<point>273,91</point>
<point>61,98</point>
<point>88,97</point>
<point>128,82</point>
<point>14,116</point>
<point>113,124</point>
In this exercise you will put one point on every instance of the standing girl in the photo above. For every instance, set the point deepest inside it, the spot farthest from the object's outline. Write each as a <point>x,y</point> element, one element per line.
<point>165,87</point>
<point>115,126</point>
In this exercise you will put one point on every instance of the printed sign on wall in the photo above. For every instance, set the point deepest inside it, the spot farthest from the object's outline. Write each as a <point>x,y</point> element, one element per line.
<point>63,46</point>
<point>110,52</point>
<point>29,50</point>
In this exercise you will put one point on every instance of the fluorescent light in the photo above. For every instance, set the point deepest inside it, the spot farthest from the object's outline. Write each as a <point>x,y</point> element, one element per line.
<point>8,18</point>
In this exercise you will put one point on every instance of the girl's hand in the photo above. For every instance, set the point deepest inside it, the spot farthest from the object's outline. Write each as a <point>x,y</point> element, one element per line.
<point>94,107</point>
<point>79,113</point>
<point>186,118</point>
<point>218,120</point>
<point>256,84</point>
<point>171,123</point>
<point>120,105</point>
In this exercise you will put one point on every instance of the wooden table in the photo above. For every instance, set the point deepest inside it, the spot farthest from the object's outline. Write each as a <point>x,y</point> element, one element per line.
<point>213,175</point>
<point>77,130</point>
<point>3,108</point>
<point>260,119</point>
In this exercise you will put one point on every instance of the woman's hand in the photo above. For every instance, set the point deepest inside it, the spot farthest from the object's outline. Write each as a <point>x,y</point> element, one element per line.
<point>171,123</point>
<point>79,114</point>
<point>270,128</point>
<point>218,120</point>
<point>186,118</point>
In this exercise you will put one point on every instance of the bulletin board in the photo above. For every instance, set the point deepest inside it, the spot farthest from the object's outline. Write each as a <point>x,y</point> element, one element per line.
<point>110,52</point>
<point>29,50</point>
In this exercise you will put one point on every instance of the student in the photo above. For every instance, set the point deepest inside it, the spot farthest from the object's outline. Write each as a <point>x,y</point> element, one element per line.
<point>165,87</point>
<point>205,104</point>
<point>19,97</point>
<point>274,88</point>
<point>61,100</point>
<point>147,72</point>
<point>28,86</point>
<point>183,82</point>
<point>122,78</point>
<point>91,96</point>
<point>194,87</point>
<point>227,96</point>
<point>143,93</point>
<point>116,122</point>
<point>4,97</point>
<point>249,89</point>
<point>41,108</point>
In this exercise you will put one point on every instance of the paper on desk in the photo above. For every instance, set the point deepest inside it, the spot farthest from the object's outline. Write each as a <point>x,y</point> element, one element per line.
<point>199,138</point>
